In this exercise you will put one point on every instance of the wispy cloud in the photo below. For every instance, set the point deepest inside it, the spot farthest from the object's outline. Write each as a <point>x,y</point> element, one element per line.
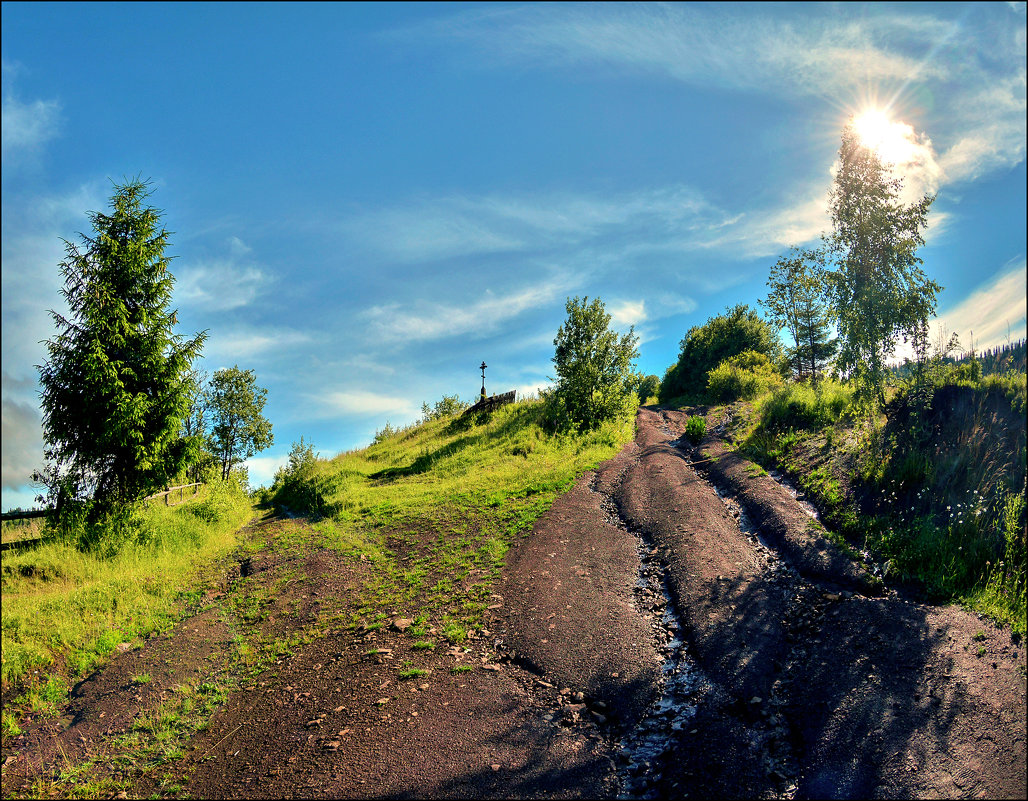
<point>27,125</point>
<point>426,320</point>
<point>364,403</point>
<point>222,284</point>
<point>990,310</point>
<point>460,225</point>
<point>977,102</point>
<point>236,344</point>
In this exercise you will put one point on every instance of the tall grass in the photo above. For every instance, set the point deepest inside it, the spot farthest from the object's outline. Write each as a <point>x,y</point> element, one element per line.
<point>801,406</point>
<point>931,492</point>
<point>67,608</point>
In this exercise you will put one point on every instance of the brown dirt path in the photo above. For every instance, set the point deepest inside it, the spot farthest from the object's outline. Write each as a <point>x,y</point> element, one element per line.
<point>641,643</point>
<point>875,697</point>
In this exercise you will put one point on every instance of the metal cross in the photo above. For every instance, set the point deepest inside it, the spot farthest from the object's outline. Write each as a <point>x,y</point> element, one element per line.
<point>482,367</point>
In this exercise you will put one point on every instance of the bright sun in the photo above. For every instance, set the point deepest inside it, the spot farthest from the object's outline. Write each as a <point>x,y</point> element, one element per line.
<point>891,140</point>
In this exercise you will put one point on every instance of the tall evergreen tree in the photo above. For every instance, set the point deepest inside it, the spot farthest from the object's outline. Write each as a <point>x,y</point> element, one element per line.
<point>115,386</point>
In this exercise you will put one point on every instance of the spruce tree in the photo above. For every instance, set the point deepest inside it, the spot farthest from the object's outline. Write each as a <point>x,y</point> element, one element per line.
<point>115,386</point>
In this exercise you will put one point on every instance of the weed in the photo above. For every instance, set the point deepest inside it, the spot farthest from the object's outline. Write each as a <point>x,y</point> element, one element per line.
<point>461,669</point>
<point>10,725</point>
<point>695,429</point>
<point>142,678</point>
<point>423,645</point>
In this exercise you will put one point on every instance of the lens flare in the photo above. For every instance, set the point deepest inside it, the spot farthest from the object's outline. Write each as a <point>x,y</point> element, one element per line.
<point>892,140</point>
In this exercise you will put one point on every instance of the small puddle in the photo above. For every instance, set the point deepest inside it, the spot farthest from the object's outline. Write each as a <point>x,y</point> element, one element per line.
<point>641,751</point>
<point>795,492</point>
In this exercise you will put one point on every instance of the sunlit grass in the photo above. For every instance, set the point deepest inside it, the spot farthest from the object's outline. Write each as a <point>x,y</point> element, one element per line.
<point>436,507</point>
<point>63,605</point>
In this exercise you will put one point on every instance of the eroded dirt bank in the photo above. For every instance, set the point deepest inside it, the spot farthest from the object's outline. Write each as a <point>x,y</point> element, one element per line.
<point>644,642</point>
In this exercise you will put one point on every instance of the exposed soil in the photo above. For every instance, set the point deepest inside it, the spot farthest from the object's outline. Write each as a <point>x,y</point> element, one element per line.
<point>673,626</point>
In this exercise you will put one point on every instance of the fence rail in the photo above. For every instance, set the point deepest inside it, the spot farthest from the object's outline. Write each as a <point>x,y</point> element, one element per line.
<point>490,403</point>
<point>180,490</point>
<point>36,513</point>
<point>24,515</point>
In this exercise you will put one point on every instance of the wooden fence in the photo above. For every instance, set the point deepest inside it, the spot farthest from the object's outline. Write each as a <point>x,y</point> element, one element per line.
<point>180,490</point>
<point>36,513</point>
<point>490,403</point>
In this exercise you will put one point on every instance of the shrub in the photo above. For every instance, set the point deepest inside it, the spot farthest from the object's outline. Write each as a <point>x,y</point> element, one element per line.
<point>705,347</point>
<point>447,406</point>
<point>695,429</point>
<point>649,386</point>
<point>805,407</point>
<point>746,376</point>
<point>297,484</point>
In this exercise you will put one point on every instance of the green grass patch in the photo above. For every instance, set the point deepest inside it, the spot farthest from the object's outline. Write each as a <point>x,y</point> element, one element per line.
<point>71,608</point>
<point>435,507</point>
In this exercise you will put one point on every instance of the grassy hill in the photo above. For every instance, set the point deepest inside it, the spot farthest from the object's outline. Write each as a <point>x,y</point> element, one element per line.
<point>432,509</point>
<point>934,490</point>
<point>436,506</point>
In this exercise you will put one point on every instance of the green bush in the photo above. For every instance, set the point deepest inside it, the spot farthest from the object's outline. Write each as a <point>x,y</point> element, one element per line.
<point>695,429</point>
<point>649,386</point>
<point>447,406</point>
<point>800,406</point>
<point>739,329</point>
<point>222,499</point>
<point>298,484</point>
<point>745,376</point>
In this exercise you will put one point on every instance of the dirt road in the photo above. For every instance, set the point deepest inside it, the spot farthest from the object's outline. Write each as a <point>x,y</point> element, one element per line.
<point>667,630</point>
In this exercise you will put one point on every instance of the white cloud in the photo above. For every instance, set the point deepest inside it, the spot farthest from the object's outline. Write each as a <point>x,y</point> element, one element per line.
<point>989,310</point>
<point>230,345</point>
<point>26,126</point>
<point>992,315</point>
<point>222,284</point>
<point>262,469</point>
<point>424,320</point>
<point>364,403</point>
<point>22,440</point>
<point>624,313</point>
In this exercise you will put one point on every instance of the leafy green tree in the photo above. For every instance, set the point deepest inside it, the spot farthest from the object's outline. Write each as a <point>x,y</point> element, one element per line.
<point>595,378</point>
<point>878,289</point>
<point>447,406</point>
<point>115,385</point>
<point>649,386</point>
<point>238,426</point>
<point>739,329</point>
<point>796,303</point>
<point>195,422</point>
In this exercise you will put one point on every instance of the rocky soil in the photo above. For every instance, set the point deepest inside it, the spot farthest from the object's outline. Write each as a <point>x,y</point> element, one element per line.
<point>676,625</point>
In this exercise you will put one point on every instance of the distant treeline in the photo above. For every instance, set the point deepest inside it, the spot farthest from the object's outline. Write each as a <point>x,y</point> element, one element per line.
<point>994,361</point>
<point>1000,359</point>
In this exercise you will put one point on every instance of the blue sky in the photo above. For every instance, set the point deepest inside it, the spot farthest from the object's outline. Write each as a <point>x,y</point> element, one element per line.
<point>369,200</point>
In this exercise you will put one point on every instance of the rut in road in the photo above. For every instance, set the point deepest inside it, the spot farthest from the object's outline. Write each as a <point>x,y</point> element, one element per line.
<point>647,749</point>
<point>818,688</point>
